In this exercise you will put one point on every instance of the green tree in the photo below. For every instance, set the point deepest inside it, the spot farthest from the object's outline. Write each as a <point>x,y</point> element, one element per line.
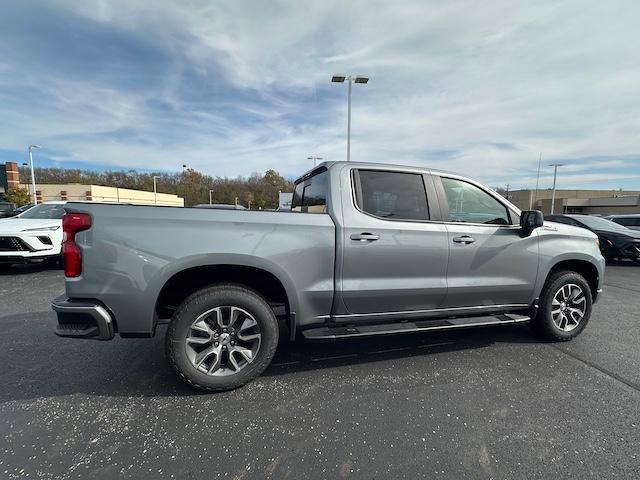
<point>19,197</point>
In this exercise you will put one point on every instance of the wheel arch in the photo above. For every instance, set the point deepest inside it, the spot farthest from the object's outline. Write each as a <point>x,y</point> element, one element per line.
<point>584,267</point>
<point>183,282</point>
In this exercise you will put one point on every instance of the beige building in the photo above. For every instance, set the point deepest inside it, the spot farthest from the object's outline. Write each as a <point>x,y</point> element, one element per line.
<point>99,193</point>
<point>601,202</point>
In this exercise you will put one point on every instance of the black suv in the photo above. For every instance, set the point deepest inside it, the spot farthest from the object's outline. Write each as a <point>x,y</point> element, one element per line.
<point>616,241</point>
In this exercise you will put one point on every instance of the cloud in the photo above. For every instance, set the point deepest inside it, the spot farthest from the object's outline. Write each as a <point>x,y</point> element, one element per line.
<point>235,87</point>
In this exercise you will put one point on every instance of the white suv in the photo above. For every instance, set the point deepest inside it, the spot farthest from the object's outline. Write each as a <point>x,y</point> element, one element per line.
<point>32,236</point>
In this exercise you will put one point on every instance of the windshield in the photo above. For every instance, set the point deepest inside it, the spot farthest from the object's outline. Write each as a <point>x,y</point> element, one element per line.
<point>49,211</point>
<point>598,223</point>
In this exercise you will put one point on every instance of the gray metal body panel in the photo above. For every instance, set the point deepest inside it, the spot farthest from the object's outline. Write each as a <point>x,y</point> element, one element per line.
<point>130,252</point>
<point>413,270</point>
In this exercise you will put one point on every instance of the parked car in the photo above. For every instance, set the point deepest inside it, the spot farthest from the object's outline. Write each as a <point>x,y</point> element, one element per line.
<point>22,209</point>
<point>616,241</point>
<point>221,206</point>
<point>631,220</point>
<point>33,236</point>
<point>6,209</point>
<point>368,249</point>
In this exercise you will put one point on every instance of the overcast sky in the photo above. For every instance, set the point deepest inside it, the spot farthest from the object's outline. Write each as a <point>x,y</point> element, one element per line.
<point>234,87</point>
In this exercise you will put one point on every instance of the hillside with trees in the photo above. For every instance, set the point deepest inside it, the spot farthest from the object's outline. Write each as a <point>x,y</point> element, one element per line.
<point>260,190</point>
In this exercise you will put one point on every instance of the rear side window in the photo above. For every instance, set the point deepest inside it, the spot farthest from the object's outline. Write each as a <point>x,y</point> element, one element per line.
<point>627,221</point>
<point>391,195</point>
<point>310,195</point>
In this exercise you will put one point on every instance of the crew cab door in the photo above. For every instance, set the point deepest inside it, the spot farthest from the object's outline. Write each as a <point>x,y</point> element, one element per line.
<point>394,257</point>
<point>490,264</point>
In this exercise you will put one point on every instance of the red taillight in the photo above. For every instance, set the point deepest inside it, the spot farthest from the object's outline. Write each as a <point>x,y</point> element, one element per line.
<point>73,223</point>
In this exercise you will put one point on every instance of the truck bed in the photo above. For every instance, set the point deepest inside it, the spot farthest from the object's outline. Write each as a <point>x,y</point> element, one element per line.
<point>131,252</point>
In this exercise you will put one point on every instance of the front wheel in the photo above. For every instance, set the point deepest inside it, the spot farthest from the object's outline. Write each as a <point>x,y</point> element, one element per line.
<point>564,307</point>
<point>222,337</point>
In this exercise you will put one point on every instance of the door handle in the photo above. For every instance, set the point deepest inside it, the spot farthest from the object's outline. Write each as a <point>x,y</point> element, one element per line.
<point>466,239</point>
<point>365,237</point>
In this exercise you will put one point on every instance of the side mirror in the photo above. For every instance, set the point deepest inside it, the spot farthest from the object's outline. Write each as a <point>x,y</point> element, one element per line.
<point>530,220</point>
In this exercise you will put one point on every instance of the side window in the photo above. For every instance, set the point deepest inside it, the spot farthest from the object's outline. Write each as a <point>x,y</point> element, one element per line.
<point>310,195</point>
<point>391,195</point>
<point>627,221</point>
<point>470,204</point>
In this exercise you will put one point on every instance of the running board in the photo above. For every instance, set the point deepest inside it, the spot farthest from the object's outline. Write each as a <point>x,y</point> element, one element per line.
<point>352,331</point>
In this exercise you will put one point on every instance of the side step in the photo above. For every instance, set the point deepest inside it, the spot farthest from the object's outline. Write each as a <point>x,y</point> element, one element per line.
<point>352,331</point>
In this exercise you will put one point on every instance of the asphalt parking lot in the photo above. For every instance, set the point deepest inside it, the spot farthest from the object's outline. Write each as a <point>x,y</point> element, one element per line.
<point>488,403</point>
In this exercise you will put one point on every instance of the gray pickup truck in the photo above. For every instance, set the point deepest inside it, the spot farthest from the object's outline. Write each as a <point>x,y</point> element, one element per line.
<point>368,249</point>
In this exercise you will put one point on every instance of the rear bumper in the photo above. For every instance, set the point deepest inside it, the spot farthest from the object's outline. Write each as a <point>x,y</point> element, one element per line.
<point>11,259</point>
<point>82,318</point>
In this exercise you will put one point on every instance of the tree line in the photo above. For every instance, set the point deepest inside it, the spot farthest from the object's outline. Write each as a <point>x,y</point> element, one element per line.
<point>257,191</point>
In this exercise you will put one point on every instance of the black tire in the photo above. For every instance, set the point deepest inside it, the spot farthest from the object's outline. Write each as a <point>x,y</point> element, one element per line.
<point>543,324</point>
<point>607,254</point>
<point>217,296</point>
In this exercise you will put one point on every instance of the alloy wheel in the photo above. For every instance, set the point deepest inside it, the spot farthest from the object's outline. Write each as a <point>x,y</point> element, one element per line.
<point>222,341</point>
<point>568,307</point>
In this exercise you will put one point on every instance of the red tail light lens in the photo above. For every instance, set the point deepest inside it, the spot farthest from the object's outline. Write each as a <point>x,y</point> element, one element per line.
<point>73,223</point>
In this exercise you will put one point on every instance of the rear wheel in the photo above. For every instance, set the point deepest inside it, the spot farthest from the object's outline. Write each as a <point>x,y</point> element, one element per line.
<point>222,337</point>
<point>564,307</point>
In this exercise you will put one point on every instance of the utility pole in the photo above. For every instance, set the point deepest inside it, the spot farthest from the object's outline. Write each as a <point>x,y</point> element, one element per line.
<point>507,192</point>
<point>553,193</point>
<point>33,175</point>
<point>535,194</point>
<point>210,198</point>
<point>314,159</point>
<point>155,190</point>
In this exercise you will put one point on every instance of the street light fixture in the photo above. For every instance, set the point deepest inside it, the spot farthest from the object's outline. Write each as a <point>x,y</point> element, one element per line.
<point>33,176</point>
<point>340,78</point>
<point>314,159</point>
<point>555,174</point>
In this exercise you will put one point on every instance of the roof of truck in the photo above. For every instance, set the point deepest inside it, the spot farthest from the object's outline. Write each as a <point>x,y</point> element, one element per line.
<point>329,164</point>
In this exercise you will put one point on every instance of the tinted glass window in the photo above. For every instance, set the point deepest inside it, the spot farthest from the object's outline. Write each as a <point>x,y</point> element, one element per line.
<point>565,220</point>
<point>310,195</point>
<point>468,203</point>
<point>628,221</point>
<point>296,200</point>
<point>598,223</point>
<point>393,195</point>
<point>45,211</point>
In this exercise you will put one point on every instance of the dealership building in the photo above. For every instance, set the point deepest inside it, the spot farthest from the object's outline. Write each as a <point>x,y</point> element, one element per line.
<point>10,180</point>
<point>601,202</point>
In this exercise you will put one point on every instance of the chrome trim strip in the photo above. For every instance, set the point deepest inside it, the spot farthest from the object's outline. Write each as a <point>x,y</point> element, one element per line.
<point>435,310</point>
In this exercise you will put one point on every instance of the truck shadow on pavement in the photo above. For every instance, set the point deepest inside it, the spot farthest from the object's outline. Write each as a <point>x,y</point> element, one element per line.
<point>28,268</point>
<point>41,365</point>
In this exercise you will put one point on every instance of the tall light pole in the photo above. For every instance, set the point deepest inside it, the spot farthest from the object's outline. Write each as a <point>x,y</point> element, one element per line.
<point>210,198</point>
<point>314,159</point>
<point>155,189</point>
<point>33,175</point>
<point>535,194</point>
<point>340,78</point>
<point>555,174</point>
